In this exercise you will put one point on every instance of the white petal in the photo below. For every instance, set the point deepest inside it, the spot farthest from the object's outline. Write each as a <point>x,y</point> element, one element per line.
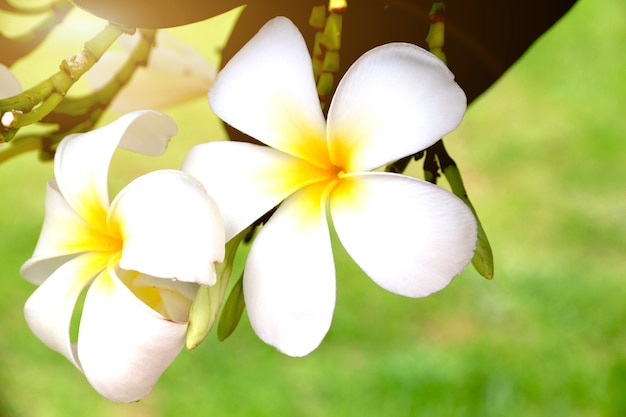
<point>396,100</point>
<point>176,296</point>
<point>267,91</point>
<point>289,279</point>
<point>63,233</point>
<point>9,85</point>
<point>170,226</point>
<point>49,310</point>
<point>247,180</point>
<point>123,345</point>
<point>411,237</point>
<point>82,160</point>
<point>160,83</point>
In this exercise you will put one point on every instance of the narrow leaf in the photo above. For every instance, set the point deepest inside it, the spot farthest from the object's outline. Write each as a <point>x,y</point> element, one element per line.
<point>232,311</point>
<point>483,255</point>
<point>206,305</point>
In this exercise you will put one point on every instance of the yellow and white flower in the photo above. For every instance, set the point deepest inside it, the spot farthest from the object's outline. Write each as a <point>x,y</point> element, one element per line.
<point>142,257</point>
<point>411,237</point>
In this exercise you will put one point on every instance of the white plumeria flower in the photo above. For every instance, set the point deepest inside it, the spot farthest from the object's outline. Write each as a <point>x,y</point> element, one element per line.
<point>175,73</point>
<point>142,257</point>
<point>411,237</point>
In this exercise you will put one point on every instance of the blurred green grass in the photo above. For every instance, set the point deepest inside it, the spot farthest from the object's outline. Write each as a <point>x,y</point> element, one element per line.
<point>543,155</point>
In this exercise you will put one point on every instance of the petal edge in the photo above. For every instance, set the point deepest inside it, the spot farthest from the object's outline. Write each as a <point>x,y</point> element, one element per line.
<point>395,100</point>
<point>411,237</point>
<point>124,346</point>
<point>289,279</point>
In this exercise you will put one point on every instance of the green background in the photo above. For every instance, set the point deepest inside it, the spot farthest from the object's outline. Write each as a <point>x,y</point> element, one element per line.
<point>543,155</point>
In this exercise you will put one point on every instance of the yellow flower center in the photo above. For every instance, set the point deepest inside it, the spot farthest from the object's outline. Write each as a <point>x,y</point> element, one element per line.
<point>336,172</point>
<point>111,238</point>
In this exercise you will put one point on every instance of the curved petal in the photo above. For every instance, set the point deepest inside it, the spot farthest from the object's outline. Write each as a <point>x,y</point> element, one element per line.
<point>267,91</point>
<point>175,297</point>
<point>170,226</point>
<point>160,83</point>
<point>124,346</point>
<point>82,160</point>
<point>395,100</point>
<point>247,180</point>
<point>411,237</point>
<point>49,309</point>
<point>63,233</point>
<point>289,279</point>
<point>9,85</point>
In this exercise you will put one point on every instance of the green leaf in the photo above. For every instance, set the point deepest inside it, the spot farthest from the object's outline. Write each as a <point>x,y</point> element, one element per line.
<point>232,311</point>
<point>206,305</point>
<point>483,255</point>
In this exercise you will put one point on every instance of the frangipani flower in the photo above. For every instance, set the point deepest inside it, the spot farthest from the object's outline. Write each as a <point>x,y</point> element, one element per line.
<point>142,257</point>
<point>175,73</point>
<point>411,237</point>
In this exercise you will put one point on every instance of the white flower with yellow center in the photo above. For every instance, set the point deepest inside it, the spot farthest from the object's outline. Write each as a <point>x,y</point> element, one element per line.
<point>142,257</point>
<point>411,237</point>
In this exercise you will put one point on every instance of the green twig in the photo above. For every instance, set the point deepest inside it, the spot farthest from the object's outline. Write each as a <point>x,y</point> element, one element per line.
<point>35,103</point>
<point>436,32</point>
<point>327,45</point>
<point>80,114</point>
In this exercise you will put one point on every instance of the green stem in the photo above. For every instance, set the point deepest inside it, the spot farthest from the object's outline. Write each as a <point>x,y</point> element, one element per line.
<point>37,102</point>
<point>483,255</point>
<point>326,46</point>
<point>79,114</point>
<point>436,33</point>
<point>431,168</point>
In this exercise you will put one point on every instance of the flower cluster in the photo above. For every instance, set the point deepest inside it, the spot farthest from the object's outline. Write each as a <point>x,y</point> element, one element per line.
<point>144,255</point>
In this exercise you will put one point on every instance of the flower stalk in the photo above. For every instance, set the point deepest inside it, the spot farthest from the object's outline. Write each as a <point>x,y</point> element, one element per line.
<point>483,255</point>
<point>436,33</point>
<point>80,114</point>
<point>436,157</point>
<point>34,104</point>
<point>326,46</point>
